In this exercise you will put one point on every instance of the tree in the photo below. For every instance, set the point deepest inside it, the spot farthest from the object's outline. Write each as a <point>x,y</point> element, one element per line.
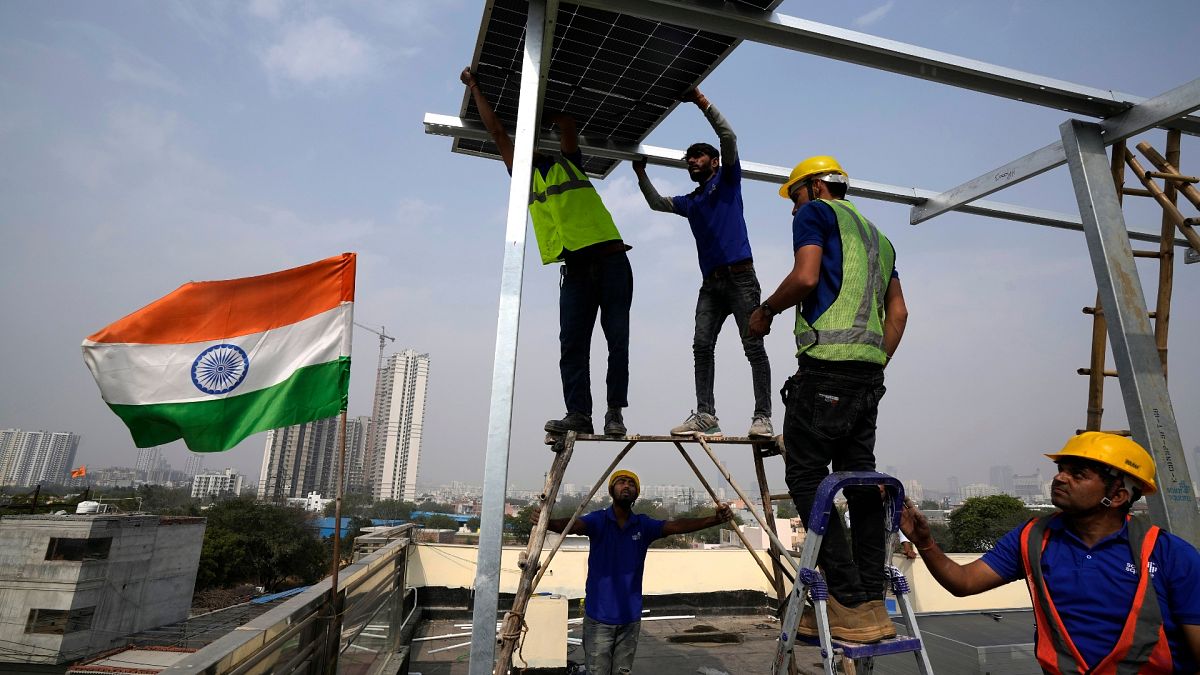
<point>392,509</point>
<point>473,524</point>
<point>165,501</point>
<point>786,509</point>
<point>930,505</point>
<point>440,521</point>
<point>981,521</point>
<point>247,541</point>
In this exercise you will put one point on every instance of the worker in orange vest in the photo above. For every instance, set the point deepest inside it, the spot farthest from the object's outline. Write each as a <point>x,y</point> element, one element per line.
<point>1111,595</point>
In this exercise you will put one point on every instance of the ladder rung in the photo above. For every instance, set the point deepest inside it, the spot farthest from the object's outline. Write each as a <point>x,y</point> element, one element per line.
<point>779,498</point>
<point>1114,432</point>
<point>1100,312</point>
<point>1107,373</point>
<point>1136,192</point>
<point>893,646</point>
<point>1172,176</point>
<point>1147,254</point>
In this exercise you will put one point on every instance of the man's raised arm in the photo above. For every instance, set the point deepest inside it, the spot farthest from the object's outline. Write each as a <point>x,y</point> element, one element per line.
<point>725,135</point>
<point>494,126</point>
<point>961,580</point>
<point>723,514</point>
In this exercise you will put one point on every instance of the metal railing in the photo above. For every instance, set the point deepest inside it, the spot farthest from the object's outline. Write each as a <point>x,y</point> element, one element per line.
<point>296,637</point>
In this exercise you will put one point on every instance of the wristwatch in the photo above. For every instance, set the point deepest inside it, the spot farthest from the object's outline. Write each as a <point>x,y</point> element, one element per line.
<point>766,307</point>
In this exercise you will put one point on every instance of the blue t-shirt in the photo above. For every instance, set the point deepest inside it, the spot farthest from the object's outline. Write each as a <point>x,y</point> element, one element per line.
<point>816,224</point>
<point>616,561</point>
<point>1093,588</point>
<point>714,211</point>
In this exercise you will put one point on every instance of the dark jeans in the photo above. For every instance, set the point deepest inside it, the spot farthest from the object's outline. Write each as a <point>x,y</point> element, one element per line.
<point>831,412</point>
<point>608,649</point>
<point>602,284</point>
<point>723,293</point>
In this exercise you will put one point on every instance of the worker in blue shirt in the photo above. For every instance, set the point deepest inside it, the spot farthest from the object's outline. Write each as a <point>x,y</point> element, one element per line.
<point>730,286</point>
<point>616,560</point>
<point>1110,594</point>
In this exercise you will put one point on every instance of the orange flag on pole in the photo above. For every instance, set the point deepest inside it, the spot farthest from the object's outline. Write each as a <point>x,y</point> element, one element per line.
<point>80,472</point>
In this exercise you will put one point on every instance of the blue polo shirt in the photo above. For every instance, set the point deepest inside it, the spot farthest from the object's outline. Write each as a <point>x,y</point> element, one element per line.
<point>816,224</point>
<point>616,560</point>
<point>1093,587</point>
<point>714,211</point>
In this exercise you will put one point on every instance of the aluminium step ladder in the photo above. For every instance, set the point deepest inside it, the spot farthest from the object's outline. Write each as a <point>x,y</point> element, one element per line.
<point>810,584</point>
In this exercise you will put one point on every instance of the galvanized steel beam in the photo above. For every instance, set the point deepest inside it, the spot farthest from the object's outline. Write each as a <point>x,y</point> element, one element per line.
<point>446,125</point>
<point>539,32</point>
<point>1171,105</point>
<point>1143,385</point>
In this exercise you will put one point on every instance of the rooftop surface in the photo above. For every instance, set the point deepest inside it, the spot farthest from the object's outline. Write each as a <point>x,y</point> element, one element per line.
<point>957,643</point>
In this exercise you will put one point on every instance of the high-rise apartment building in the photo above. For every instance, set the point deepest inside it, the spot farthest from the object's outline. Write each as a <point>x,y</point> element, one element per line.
<point>152,465</point>
<point>1001,477</point>
<point>302,459</point>
<point>357,436</point>
<point>28,458</point>
<point>195,464</point>
<point>399,420</point>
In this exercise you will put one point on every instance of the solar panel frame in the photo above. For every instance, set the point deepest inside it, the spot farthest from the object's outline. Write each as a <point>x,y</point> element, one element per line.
<point>618,75</point>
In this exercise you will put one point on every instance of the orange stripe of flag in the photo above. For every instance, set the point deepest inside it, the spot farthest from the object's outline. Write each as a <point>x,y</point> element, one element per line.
<point>210,310</point>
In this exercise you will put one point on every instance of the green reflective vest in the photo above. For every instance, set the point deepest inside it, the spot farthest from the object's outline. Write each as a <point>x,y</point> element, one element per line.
<point>567,212</point>
<point>851,329</point>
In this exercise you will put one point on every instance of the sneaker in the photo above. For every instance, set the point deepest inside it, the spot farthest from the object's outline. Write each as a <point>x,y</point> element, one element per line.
<point>614,423</point>
<point>858,624</point>
<point>760,427</point>
<point>698,424</point>
<point>574,421</point>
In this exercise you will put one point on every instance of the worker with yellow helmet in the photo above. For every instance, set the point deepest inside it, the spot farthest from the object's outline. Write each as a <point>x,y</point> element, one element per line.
<point>849,320</point>
<point>612,608</point>
<point>1110,593</point>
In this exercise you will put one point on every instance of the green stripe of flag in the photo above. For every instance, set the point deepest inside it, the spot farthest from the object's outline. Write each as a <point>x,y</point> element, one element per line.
<point>311,393</point>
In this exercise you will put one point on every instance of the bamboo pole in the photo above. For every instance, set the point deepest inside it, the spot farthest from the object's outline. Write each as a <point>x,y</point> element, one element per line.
<point>334,643</point>
<point>514,619</point>
<point>1190,192</point>
<point>1172,177</point>
<point>781,593</point>
<point>1166,263</point>
<point>1169,209</point>
<point>712,493</point>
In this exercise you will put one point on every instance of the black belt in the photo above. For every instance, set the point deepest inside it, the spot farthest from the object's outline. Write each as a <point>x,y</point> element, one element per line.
<point>746,265</point>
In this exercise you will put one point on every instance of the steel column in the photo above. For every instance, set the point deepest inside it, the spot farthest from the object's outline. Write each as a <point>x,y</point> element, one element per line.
<point>1143,386</point>
<point>539,33</point>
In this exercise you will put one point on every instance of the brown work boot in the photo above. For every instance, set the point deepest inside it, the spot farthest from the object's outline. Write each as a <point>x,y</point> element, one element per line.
<point>858,624</point>
<point>882,619</point>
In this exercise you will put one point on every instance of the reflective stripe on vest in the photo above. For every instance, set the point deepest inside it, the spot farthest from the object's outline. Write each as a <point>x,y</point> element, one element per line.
<point>851,329</point>
<point>567,212</point>
<point>1142,646</point>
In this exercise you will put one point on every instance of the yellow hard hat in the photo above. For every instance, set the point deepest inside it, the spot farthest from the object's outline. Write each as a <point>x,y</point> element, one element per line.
<point>1118,452</point>
<point>627,474</point>
<point>819,164</point>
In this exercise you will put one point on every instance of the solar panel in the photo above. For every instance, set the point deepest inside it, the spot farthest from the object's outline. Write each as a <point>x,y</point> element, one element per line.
<point>617,75</point>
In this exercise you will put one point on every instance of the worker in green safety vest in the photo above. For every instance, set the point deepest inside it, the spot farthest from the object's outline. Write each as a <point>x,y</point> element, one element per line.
<point>573,227</point>
<point>849,320</point>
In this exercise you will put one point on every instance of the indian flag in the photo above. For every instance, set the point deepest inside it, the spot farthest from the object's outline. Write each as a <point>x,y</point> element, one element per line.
<point>216,361</point>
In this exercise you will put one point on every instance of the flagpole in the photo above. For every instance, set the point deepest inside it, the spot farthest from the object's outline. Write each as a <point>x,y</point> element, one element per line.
<point>335,641</point>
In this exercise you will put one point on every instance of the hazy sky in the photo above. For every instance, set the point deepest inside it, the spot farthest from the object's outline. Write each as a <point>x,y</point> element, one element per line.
<point>145,144</point>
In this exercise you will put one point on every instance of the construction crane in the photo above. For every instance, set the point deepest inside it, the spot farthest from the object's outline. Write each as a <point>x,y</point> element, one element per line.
<point>383,336</point>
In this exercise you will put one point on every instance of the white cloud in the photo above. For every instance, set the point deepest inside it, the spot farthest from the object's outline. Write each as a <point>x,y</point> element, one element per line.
<point>875,14</point>
<point>135,69</point>
<point>270,10</point>
<point>320,50</point>
<point>411,211</point>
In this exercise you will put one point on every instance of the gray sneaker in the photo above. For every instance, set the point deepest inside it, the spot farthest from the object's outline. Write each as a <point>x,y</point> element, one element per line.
<point>760,427</point>
<point>698,424</point>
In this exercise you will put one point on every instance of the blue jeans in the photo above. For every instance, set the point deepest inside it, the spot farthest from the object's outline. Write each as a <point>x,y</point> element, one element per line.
<point>726,292</point>
<point>601,284</point>
<point>608,649</point>
<point>831,411</point>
